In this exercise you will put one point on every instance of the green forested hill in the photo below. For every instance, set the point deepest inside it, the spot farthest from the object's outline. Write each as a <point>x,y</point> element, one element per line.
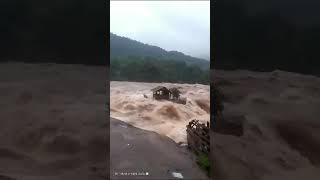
<point>134,61</point>
<point>125,47</point>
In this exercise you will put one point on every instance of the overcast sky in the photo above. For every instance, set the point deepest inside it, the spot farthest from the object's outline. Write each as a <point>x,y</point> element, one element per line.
<point>172,25</point>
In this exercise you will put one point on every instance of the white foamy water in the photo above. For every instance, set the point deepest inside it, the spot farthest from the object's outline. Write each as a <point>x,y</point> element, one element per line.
<point>127,103</point>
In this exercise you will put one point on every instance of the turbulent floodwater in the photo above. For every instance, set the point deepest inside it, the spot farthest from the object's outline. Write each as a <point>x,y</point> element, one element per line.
<point>132,102</point>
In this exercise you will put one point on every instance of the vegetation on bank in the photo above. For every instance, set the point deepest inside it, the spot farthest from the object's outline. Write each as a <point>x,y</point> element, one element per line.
<point>150,69</point>
<point>204,162</point>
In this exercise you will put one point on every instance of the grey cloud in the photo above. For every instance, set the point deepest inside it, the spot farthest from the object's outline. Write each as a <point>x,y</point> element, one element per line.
<point>172,25</point>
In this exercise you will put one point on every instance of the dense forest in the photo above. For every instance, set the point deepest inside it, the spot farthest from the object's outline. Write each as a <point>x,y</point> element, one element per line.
<point>123,47</point>
<point>61,31</point>
<point>267,35</point>
<point>134,61</point>
<point>150,69</point>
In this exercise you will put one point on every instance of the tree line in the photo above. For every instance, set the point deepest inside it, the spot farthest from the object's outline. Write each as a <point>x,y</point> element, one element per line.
<point>150,69</point>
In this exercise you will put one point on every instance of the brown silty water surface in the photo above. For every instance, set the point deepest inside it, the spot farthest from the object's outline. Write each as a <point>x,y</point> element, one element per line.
<point>132,102</point>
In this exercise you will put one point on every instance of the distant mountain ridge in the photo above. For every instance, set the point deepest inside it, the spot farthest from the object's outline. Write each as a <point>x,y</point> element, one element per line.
<point>122,46</point>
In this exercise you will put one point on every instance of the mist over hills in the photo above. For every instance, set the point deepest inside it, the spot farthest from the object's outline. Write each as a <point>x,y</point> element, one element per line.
<point>125,47</point>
